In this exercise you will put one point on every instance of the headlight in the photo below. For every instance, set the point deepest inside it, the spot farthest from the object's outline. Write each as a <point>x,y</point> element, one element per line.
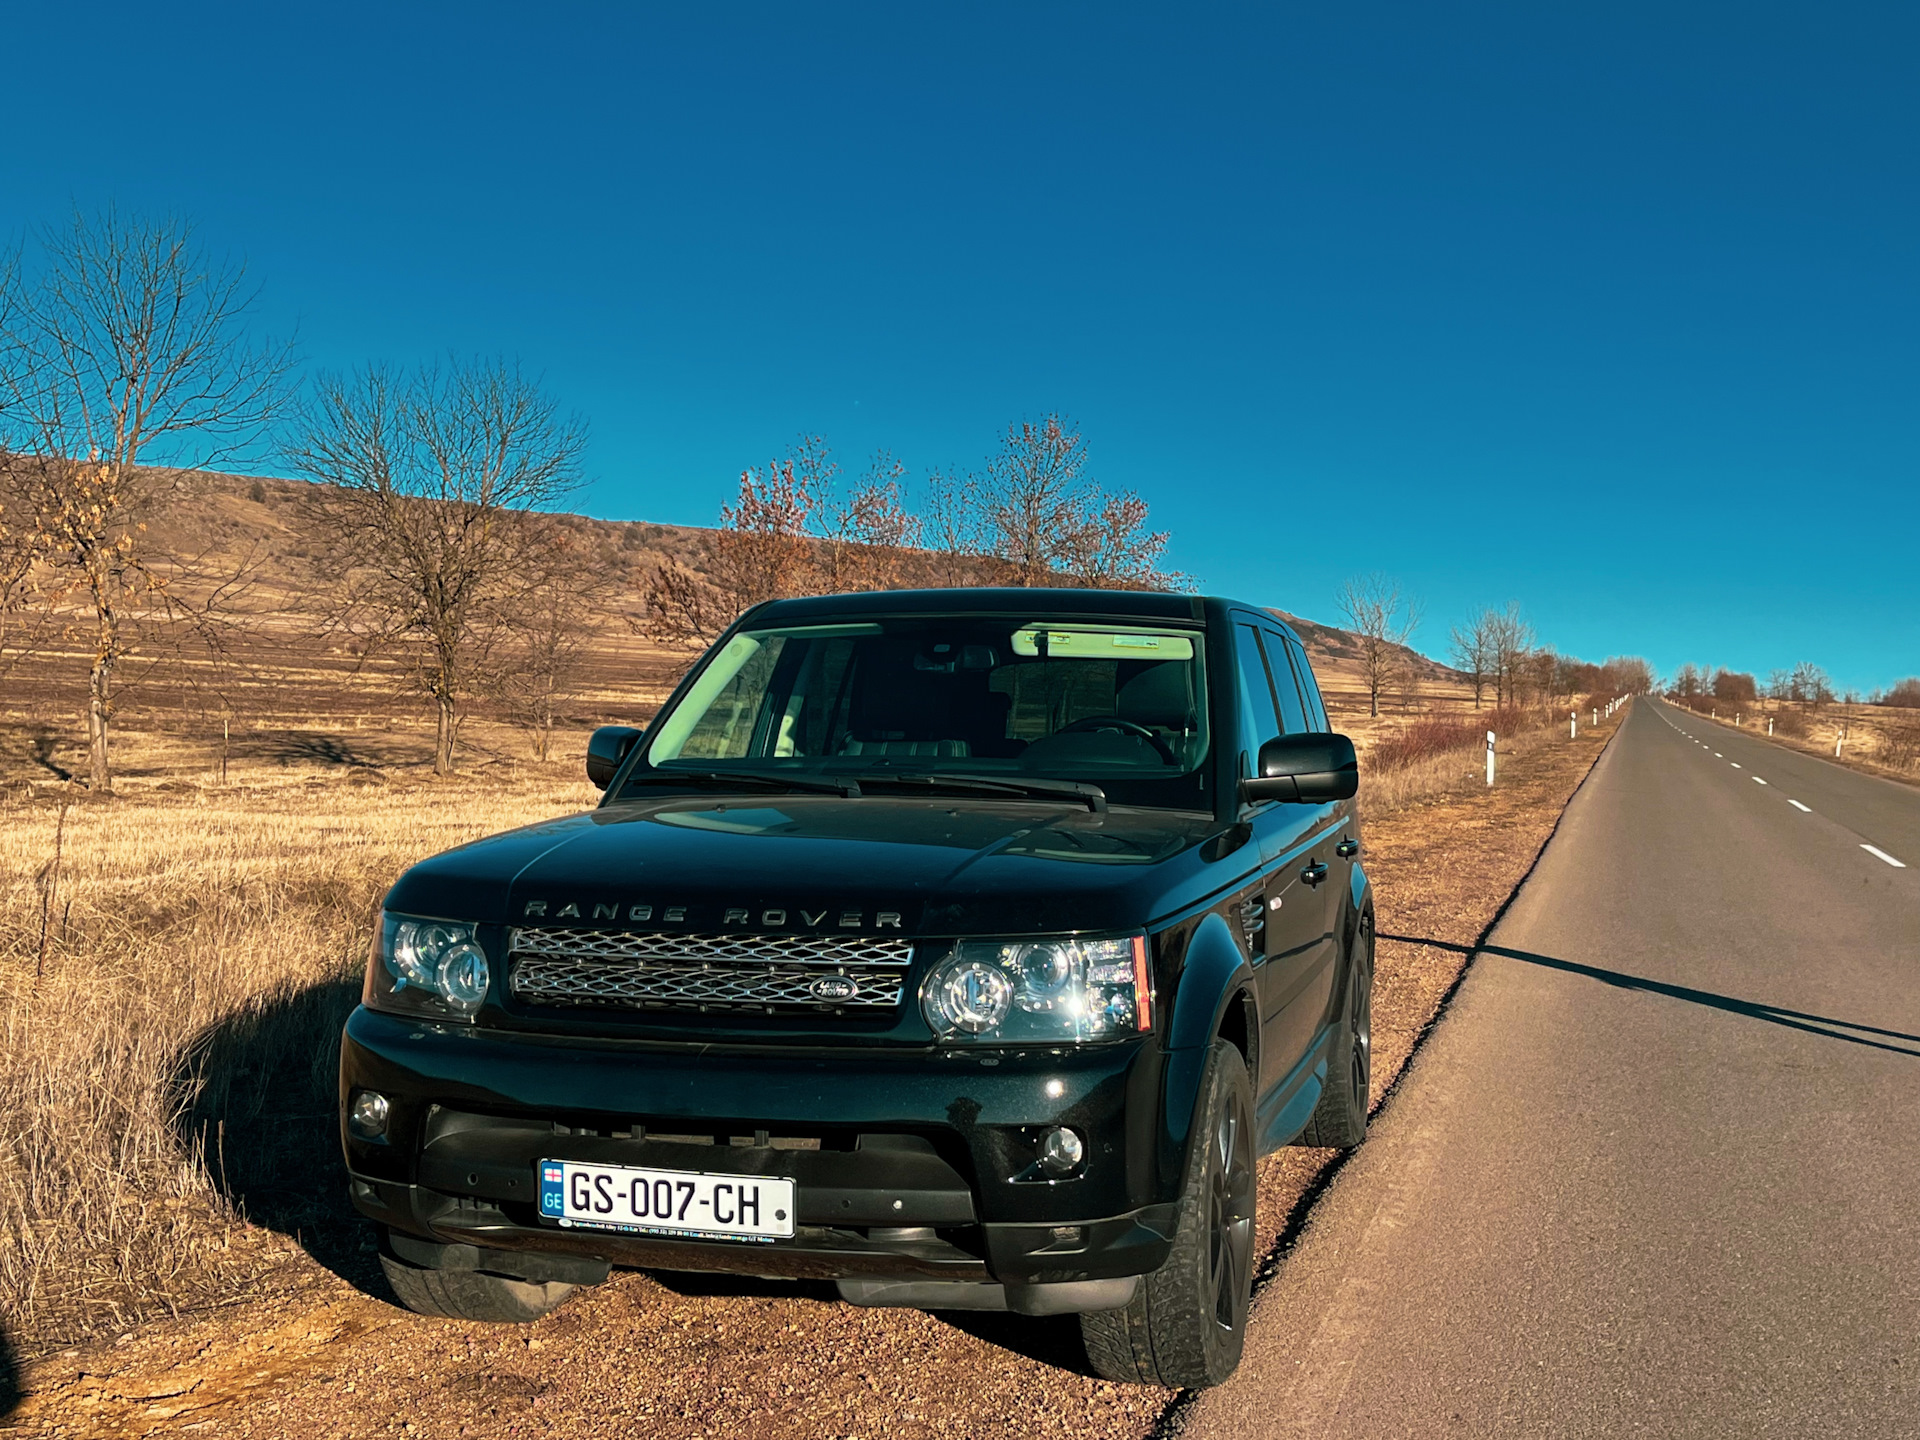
<point>427,967</point>
<point>1038,992</point>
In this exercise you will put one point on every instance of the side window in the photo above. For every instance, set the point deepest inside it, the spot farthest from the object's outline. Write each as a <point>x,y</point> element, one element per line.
<point>1291,710</point>
<point>1309,687</point>
<point>1259,722</point>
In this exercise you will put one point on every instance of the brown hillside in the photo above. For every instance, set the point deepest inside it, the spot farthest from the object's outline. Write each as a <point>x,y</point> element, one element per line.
<point>286,671</point>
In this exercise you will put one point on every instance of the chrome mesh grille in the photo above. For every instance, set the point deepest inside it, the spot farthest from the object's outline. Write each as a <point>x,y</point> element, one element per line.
<point>620,969</point>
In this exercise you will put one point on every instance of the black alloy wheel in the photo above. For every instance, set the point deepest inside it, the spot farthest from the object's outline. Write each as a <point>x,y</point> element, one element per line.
<point>1187,1323</point>
<point>1230,1217</point>
<point>1340,1119</point>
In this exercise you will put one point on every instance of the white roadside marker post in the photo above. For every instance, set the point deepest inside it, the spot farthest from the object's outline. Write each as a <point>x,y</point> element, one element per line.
<point>1596,717</point>
<point>1841,741</point>
<point>1489,757</point>
<point>1573,723</point>
<point>1769,727</point>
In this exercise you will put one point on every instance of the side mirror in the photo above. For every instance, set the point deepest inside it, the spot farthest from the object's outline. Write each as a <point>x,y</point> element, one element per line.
<point>609,746</point>
<point>1311,768</point>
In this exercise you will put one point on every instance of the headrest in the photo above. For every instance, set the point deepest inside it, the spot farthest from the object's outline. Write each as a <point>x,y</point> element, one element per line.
<point>1160,695</point>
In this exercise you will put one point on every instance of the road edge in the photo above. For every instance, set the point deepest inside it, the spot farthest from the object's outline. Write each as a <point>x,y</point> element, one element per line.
<point>1173,1420</point>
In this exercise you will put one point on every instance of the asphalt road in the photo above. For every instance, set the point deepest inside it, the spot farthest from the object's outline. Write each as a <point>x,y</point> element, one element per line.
<point>1657,1170</point>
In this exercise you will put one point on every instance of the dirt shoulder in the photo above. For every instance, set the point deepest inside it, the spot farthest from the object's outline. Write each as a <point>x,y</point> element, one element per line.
<point>684,1356</point>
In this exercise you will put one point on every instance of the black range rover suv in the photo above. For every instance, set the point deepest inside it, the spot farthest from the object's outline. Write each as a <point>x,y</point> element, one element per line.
<point>964,948</point>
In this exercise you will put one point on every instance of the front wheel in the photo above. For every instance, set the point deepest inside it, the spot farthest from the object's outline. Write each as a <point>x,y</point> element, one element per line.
<point>471,1294</point>
<point>1187,1322</point>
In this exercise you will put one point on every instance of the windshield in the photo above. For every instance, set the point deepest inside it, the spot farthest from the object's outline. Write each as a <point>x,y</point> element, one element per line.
<point>1017,698</point>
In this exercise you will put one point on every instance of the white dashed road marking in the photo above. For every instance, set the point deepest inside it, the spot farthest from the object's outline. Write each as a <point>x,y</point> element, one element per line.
<point>1879,854</point>
<point>1734,763</point>
<point>1805,809</point>
<point>1758,781</point>
<point>1718,756</point>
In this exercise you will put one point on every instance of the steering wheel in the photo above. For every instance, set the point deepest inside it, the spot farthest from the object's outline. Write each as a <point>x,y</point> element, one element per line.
<point>1091,723</point>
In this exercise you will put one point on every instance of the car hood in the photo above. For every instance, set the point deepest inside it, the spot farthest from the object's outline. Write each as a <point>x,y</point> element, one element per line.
<point>918,866</point>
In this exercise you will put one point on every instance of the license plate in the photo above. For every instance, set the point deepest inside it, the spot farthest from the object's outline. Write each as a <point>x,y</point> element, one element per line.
<point>666,1202</point>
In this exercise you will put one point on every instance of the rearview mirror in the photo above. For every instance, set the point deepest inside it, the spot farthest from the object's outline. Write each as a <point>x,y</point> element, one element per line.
<point>1312,767</point>
<point>609,746</point>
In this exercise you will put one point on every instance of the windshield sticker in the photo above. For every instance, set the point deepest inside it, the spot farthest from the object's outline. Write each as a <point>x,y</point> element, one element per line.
<point>1101,644</point>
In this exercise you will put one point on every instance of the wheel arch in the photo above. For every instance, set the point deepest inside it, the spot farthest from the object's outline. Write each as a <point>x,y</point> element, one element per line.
<point>1215,999</point>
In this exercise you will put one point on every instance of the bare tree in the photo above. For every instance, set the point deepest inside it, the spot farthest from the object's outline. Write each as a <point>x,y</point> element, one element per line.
<point>1108,547</point>
<point>1035,494</point>
<point>551,632</point>
<point>954,527</point>
<point>125,362</point>
<point>1510,643</point>
<point>432,479</point>
<point>684,608</point>
<point>870,529</point>
<point>1809,685</point>
<point>1383,621</point>
<point>1473,652</point>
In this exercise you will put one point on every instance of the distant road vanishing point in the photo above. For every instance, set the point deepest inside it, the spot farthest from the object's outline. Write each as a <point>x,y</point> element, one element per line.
<point>1657,1171</point>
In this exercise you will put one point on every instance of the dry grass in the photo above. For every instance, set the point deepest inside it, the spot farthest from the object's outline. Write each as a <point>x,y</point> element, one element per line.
<point>200,952</point>
<point>166,1091</point>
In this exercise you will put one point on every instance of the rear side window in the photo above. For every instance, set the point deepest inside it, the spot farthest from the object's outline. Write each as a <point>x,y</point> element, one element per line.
<point>1309,687</point>
<point>1292,710</point>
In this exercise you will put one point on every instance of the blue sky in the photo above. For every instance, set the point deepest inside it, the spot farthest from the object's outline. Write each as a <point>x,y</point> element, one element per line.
<point>1613,313</point>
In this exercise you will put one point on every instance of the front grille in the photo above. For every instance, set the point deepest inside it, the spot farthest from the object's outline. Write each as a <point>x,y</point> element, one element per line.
<point>771,974</point>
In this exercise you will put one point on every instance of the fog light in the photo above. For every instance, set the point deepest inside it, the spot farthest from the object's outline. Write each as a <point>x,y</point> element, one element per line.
<point>367,1115</point>
<point>1061,1152</point>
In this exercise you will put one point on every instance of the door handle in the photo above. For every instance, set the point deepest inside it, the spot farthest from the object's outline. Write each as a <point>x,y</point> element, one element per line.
<point>1314,873</point>
<point>1347,848</point>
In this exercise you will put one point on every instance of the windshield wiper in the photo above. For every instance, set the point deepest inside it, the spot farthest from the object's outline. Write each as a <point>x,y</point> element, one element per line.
<point>1090,795</point>
<point>848,787</point>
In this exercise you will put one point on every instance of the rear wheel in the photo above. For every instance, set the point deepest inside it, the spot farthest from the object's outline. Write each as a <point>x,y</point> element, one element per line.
<point>1187,1322</point>
<point>471,1294</point>
<point>1340,1119</point>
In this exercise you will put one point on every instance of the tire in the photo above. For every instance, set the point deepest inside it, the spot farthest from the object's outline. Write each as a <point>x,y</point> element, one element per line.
<point>1187,1323</point>
<point>471,1294</point>
<point>1339,1121</point>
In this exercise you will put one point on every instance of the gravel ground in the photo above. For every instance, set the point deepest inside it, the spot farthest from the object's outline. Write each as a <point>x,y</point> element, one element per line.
<point>686,1356</point>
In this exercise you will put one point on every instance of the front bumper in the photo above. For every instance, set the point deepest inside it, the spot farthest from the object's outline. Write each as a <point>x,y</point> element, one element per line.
<point>907,1165</point>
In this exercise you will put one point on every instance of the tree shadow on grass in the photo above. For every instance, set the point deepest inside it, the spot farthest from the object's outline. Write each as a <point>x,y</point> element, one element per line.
<point>260,1111</point>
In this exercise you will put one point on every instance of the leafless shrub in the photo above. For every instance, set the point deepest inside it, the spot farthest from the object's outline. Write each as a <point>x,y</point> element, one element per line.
<point>1899,746</point>
<point>1424,739</point>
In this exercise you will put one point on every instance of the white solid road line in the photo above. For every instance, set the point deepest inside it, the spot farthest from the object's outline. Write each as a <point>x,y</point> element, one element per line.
<point>1808,809</point>
<point>1758,781</point>
<point>1879,854</point>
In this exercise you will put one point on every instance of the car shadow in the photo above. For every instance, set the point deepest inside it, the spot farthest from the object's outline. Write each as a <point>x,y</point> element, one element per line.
<point>258,1095</point>
<point>11,1390</point>
<point>258,1107</point>
<point>1052,1340</point>
<point>1871,1036</point>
